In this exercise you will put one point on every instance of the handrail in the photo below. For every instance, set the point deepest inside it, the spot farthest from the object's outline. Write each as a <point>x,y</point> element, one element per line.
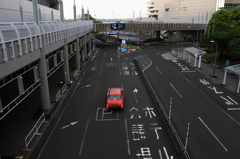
<point>34,131</point>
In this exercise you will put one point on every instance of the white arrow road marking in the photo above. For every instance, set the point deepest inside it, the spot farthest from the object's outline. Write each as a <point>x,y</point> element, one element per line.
<point>135,94</point>
<point>72,123</point>
<point>213,88</point>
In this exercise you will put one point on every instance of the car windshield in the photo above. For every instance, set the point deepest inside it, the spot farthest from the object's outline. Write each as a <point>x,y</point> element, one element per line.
<point>112,97</point>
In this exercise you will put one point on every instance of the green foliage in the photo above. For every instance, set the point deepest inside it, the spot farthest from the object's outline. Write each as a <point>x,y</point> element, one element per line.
<point>234,44</point>
<point>90,17</point>
<point>224,29</point>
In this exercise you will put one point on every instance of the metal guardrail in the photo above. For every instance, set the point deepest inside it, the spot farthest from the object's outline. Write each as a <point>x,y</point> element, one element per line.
<point>177,52</point>
<point>170,127</point>
<point>64,88</point>
<point>58,95</point>
<point>34,132</point>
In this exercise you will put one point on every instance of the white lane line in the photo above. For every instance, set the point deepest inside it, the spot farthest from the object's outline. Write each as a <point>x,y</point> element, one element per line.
<point>166,152</point>
<point>129,152</point>
<point>213,134</point>
<point>85,132</point>
<point>175,90</point>
<point>159,70</point>
<point>188,71</point>
<point>160,153</point>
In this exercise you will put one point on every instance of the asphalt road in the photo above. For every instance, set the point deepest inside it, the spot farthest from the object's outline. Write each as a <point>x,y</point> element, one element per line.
<point>86,129</point>
<point>214,129</point>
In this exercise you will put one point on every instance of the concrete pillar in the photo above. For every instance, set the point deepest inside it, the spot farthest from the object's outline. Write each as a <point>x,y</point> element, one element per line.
<point>85,44</point>
<point>40,14</point>
<point>189,58</point>
<point>225,77</point>
<point>158,34</point>
<point>90,44</point>
<point>61,11</point>
<point>44,88</point>
<point>77,53</point>
<point>199,61</point>
<point>52,15</point>
<point>195,61</point>
<point>21,12</point>
<point>183,54</point>
<point>238,85</point>
<point>83,15</point>
<point>66,63</point>
<point>35,11</point>
<point>74,12</point>
<point>88,17</point>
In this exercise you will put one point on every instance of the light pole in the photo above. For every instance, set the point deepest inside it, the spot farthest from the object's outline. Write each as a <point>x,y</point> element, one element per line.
<point>175,33</point>
<point>187,33</point>
<point>215,61</point>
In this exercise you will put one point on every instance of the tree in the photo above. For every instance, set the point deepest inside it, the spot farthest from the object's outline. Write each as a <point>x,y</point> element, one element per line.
<point>90,17</point>
<point>224,29</point>
<point>220,21</point>
<point>235,18</point>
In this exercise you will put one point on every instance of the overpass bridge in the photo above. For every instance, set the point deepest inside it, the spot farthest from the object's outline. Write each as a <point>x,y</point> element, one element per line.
<point>141,26</point>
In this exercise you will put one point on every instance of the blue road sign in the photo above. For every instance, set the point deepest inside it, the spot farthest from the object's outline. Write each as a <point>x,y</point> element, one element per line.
<point>117,26</point>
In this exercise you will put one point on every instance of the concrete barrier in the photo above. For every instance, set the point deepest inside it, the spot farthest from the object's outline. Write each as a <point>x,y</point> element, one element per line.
<point>168,124</point>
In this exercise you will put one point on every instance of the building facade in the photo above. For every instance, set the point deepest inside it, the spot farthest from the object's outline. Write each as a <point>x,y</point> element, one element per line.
<point>194,11</point>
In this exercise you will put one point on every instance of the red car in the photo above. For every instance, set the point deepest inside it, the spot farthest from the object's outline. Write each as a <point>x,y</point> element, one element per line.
<point>115,98</point>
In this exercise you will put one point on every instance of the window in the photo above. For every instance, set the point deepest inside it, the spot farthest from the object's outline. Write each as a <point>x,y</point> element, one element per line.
<point>174,9</point>
<point>184,8</point>
<point>167,9</point>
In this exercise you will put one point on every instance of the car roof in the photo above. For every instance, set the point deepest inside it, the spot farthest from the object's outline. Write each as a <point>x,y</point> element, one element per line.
<point>115,91</point>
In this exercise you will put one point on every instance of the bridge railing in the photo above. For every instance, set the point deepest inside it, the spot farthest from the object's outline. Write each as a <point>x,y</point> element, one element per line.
<point>20,38</point>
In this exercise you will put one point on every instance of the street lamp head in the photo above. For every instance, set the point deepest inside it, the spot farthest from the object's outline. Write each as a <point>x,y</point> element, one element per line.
<point>212,41</point>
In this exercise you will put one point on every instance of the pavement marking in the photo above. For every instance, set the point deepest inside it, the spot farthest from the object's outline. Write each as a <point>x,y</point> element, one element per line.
<point>175,90</point>
<point>213,134</point>
<point>168,56</point>
<point>85,132</point>
<point>128,143</point>
<point>159,70</point>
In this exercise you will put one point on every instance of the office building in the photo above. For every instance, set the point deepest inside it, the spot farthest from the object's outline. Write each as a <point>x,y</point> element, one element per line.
<point>194,11</point>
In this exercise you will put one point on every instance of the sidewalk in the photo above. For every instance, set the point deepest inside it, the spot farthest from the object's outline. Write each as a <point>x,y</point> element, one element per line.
<point>207,69</point>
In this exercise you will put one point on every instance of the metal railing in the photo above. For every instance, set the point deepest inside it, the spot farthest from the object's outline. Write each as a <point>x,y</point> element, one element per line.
<point>34,132</point>
<point>8,108</point>
<point>20,38</point>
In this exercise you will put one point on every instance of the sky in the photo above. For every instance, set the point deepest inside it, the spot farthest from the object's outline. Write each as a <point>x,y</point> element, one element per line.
<point>107,9</point>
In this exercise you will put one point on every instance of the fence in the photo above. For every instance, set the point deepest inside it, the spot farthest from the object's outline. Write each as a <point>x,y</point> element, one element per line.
<point>34,132</point>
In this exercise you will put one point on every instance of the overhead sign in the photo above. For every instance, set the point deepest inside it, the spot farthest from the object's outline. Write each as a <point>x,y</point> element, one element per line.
<point>117,26</point>
<point>123,41</point>
<point>111,33</point>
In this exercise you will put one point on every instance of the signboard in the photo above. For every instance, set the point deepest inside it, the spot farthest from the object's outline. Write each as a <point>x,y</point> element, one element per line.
<point>123,41</point>
<point>111,33</point>
<point>93,42</point>
<point>117,26</point>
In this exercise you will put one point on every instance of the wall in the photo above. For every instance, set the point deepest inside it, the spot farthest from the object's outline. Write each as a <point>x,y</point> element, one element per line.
<point>11,9</point>
<point>196,10</point>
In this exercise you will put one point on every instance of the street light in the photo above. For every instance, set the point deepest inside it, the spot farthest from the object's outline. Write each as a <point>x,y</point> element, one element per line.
<point>187,33</point>
<point>215,61</point>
